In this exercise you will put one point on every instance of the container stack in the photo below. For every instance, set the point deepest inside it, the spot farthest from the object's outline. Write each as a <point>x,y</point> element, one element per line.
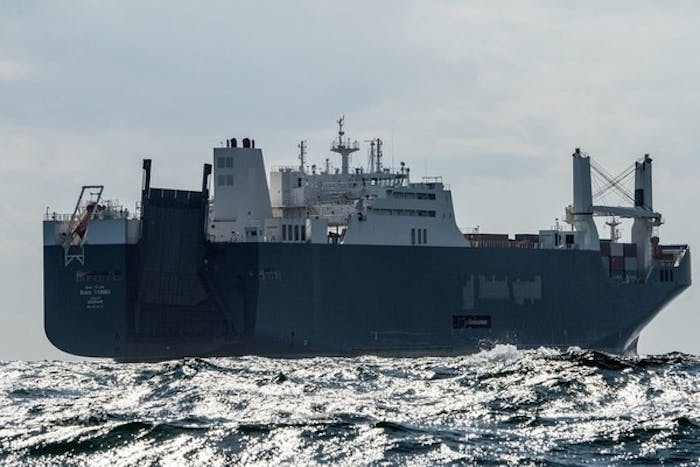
<point>631,266</point>
<point>527,240</point>
<point>487,240</point>
<point>620,260</point>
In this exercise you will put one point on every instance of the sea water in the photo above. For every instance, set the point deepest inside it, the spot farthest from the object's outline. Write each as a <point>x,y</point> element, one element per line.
<point>503,406</point>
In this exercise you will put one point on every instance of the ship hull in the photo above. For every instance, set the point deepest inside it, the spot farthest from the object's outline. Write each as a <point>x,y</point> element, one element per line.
<point>291,300</point>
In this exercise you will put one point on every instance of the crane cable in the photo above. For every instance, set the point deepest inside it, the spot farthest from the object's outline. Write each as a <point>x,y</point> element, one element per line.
<point>613,182</point>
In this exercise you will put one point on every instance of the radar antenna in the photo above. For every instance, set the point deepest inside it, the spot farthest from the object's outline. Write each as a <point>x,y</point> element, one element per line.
<point>614,231</point>
<point>375,154</point>
<point>302,155</point>
<point>344,146</point>
<point>372,155</point>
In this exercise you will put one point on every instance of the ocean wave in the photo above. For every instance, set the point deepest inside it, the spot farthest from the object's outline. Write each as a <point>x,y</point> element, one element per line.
<point>501,406</point>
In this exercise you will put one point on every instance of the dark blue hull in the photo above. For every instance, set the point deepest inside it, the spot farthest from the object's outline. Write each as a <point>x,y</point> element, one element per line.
<point>309,299</point>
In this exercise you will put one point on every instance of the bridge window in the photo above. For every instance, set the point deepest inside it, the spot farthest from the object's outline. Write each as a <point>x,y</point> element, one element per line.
<point>419,236</point>
<point>223,162</point>
<point>403,212</point>
<point>666,275</point>
<point>224,180</point>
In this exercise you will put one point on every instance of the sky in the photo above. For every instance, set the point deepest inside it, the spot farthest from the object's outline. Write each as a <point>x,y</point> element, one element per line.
<point>493,96</point>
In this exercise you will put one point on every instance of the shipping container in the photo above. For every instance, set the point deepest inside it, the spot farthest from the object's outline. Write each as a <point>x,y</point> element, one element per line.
<point>605,247</point>
<point>629,250</point>
<point>486,238</point>
<point>493,237</point>
<point>527,238</point>
<point>617,263</point>
<point>631,264</point>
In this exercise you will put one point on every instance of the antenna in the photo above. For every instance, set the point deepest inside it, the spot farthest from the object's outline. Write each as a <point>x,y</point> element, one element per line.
<point>344,146</point>
<point>393,167</point>
<point>614,231</point>
<point>302,155</point>
<point>372,154</point>
<point>375,154</point>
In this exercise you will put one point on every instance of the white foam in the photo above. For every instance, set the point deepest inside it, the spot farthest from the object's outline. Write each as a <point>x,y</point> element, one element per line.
<point>499,353</point>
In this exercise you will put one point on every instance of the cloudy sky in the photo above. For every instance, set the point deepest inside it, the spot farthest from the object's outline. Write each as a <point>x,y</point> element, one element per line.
<point>494,96</point>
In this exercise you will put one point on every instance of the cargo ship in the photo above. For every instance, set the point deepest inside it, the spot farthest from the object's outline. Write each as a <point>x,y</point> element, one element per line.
<point>346,261</point>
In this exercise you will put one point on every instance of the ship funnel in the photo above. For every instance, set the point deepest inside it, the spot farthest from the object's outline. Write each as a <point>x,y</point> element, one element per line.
<point>242,199</point>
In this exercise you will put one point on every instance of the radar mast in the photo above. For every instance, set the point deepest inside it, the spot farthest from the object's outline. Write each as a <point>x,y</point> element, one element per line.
<point>614,231</point>
<point>375,155</point>
<point>302,155</point>
<point>344,146</point>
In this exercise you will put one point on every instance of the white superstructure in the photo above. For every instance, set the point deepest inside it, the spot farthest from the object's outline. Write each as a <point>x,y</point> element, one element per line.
<point>415,214</point>
<point>372,205</point>
<point>242,200</point>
